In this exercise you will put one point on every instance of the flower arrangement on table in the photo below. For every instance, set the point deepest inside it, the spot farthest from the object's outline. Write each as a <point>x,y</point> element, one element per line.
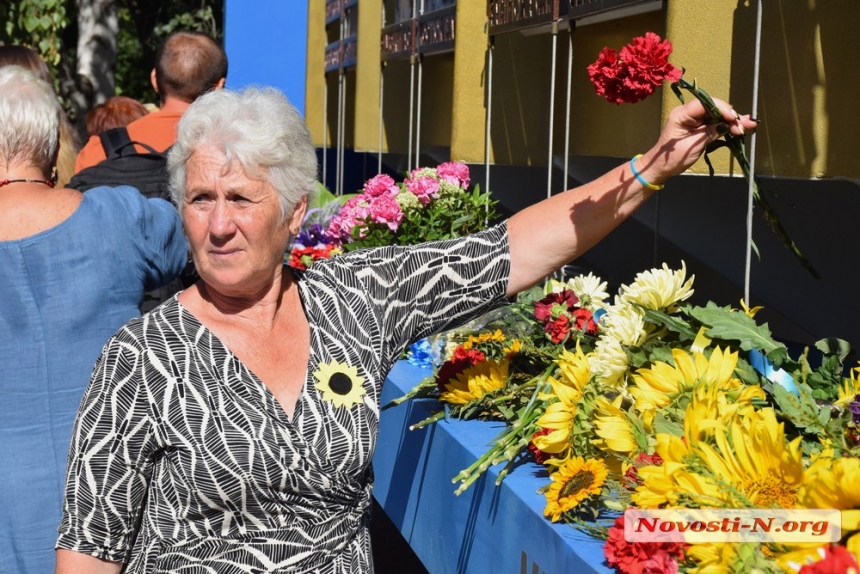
<point>429,204</point>
<point>648,402</point>
<point>633,73</point>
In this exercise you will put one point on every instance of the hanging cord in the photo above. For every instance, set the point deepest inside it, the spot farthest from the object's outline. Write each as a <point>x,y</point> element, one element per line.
<point>411,110</point>
<point>551,109</point>
<point>751,187</point>
<point>325,130</point>
<point>339,133</point>
<point>488,123</point>
<point>342,136</point>
<point>381,93</point>
<point>418,114</point>
<point>571,27</point>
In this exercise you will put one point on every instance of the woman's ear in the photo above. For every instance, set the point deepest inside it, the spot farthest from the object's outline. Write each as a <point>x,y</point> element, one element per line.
<point>298,216</point>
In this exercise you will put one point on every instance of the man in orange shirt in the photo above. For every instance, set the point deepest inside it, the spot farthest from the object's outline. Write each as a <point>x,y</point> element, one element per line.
<point>187,65</point>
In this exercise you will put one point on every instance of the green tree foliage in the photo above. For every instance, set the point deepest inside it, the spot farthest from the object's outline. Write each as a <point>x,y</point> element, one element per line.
<point>49,27</point>
<point>35,23</point>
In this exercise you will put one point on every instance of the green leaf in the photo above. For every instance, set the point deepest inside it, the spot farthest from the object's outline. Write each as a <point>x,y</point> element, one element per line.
<point>735,326</point>
<point>671,322</point>
<point>834,346</point>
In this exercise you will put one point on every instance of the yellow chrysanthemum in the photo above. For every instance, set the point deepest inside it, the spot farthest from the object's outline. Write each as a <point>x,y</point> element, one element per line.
<point>566,392</point>
<point>752,457</point>
<point>473,340</point>
<point>573,482</point>
<point>590,290</point>
<point>475,381</point>
<point>625,323</point>
<point>658,386</point>
<point>659,289</point>
<point>339,383</point>
<point>609,362</point>
<point>616,431</point>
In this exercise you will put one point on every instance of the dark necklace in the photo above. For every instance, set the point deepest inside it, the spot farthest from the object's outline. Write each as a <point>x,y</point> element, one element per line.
<point>47,182</point>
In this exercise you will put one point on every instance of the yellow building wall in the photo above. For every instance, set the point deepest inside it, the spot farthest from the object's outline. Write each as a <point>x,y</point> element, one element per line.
<point>367,76</point>
<point>808,71</point>
<point>315,76</point>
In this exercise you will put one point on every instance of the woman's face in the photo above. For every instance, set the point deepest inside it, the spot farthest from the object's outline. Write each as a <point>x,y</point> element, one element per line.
<point>233,224</point>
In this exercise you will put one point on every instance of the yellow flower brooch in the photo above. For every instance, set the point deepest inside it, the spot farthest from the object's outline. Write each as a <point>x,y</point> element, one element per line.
<point>339,383</point>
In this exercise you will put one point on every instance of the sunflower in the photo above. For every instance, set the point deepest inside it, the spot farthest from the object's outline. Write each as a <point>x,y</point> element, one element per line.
<point>850,388</point>
<point>658,289</point>
<point>473,340</point>
<point>339,383</point>
<point>658,386</point>
<point>750,465</point>
<point>618,432</point>
<point>475,381</point>
<point>835,484</point>
<point>515,347</point>
<point>559,416</point>
<point>573,482</point>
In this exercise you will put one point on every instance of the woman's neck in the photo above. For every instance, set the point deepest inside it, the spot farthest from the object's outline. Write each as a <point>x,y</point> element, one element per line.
<point>261,308</point>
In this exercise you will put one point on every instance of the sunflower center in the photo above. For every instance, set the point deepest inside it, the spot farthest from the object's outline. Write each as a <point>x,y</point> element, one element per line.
<point>769,493</point>
<point>577,483</point>
<point>340,383</point>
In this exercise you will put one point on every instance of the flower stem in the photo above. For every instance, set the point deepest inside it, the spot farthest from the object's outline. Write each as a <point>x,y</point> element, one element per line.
<point>738,150</point>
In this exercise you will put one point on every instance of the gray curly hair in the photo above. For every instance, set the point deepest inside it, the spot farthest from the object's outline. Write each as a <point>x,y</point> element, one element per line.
<point>256,127</point>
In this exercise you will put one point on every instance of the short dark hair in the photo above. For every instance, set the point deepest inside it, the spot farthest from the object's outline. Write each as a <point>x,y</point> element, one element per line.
<point>189,64</point>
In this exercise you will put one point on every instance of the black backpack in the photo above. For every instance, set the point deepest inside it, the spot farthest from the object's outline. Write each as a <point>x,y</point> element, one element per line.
<point>124,165</point>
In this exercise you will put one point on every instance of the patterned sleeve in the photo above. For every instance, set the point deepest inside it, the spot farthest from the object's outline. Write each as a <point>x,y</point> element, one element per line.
<point>110,457</point>
<point>415,291</point>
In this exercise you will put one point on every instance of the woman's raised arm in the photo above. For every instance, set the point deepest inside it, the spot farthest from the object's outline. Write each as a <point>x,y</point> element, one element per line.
<point>545,236</point>
<point>71,562</point>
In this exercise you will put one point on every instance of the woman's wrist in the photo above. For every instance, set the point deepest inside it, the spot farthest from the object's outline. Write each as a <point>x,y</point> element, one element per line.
<point>647,172</point>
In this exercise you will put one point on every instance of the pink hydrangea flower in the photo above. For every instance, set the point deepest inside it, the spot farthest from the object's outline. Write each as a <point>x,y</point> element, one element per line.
<point>356,210</point>
<point>424,188</point>
<point>385,210</point>
<point>454,172</point>
<point>381,184</point>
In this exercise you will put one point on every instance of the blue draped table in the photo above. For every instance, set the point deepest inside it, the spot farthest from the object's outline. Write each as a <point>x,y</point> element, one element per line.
<point>485,529</point>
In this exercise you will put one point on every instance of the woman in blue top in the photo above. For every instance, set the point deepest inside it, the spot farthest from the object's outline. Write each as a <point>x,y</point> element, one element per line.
<point>74,269</point>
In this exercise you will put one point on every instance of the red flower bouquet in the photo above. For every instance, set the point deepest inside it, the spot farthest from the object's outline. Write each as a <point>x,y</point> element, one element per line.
<point>632,74</point>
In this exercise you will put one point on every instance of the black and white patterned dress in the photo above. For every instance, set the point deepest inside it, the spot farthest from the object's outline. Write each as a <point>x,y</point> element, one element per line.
<point>183,461</point>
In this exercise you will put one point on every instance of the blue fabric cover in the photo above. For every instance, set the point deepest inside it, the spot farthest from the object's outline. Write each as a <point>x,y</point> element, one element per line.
<point>63,293</point>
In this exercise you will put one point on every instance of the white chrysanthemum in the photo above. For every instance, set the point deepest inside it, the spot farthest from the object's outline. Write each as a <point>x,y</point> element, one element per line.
<point>626,324</point>
<point>608,362</point>
<point>659,289</point>
<point>590,290</point>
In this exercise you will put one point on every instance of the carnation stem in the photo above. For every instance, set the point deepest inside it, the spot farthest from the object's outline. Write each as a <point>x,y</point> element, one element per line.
<point>738,150</point>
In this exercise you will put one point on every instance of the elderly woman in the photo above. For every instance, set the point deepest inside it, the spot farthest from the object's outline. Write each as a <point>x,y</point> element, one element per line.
<point>74,271</point>
<point>232,429</point>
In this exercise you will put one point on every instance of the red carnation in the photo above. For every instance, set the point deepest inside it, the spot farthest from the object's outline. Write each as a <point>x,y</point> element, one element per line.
<point>632,74</point>
<point>639,557</point>
<point>540,456</point>
<point>631,477</point>
<point>558,329</point>
<point>836,560</point>
<point>459,362</point>
<point>585,321</point>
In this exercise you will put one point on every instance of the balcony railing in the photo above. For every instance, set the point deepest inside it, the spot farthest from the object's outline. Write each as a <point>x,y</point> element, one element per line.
<point>333,10</point>
<point>435,31</point>
<point>583,8</point>
<point>430,33</point>
<point>332,56</point>
<point>398,40</point>
<point>512,15</point>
